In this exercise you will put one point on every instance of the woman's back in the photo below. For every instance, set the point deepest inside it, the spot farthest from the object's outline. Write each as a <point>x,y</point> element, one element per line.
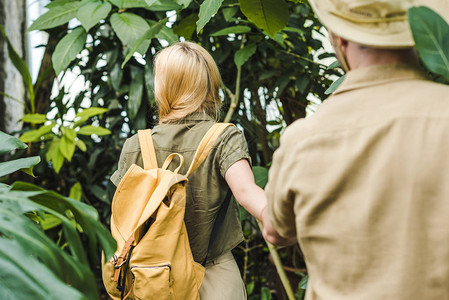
<point>207,187</point>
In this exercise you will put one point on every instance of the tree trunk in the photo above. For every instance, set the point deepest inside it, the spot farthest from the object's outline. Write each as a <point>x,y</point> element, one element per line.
<point>13,19</point>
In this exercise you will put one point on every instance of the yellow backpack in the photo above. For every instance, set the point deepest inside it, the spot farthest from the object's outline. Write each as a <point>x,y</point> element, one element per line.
<point>153,258</point>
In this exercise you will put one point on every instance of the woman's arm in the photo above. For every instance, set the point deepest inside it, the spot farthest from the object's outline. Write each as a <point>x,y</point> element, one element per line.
<point>240,179</point>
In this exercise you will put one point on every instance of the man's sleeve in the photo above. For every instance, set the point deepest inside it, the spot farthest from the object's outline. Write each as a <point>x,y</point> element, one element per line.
<point>280,189</point>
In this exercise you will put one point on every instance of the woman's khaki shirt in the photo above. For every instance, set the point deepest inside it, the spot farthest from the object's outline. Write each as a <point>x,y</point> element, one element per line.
<point>207,187</point>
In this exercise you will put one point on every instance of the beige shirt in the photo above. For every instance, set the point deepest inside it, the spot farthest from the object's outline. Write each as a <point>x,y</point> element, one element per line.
<point>207,187</point>
<point>364,185</point>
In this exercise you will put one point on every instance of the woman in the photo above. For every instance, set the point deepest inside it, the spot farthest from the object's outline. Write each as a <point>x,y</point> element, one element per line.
<point>186,90</point>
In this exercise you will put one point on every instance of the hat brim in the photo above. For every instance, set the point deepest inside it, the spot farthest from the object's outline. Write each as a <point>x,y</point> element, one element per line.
<point>353,32</point>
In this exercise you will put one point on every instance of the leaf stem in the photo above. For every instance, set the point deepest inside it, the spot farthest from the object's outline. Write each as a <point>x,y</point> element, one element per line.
<point>235,97</point>
<point>280,269</point>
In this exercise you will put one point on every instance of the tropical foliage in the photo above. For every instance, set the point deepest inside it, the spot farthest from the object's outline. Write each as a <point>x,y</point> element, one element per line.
<point>268,53</point>
<point>33,265</point>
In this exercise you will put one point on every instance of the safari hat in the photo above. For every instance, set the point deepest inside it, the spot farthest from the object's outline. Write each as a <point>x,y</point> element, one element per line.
<point>373,23</point>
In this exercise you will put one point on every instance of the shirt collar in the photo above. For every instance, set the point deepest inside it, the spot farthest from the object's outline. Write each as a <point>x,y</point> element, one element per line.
<point>377,75</point>
<point>194,117</point>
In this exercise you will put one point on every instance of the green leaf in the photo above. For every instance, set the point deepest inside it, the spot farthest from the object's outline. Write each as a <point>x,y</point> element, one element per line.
<point>242,55</point>
<point>67,147</point>
<point>92,12</point>
<point>130,28</point>
<point>269,15</point>
<point>135,92</point>
<point>21,66</point>
<point>57,3</point>
<point>150,2</point>
<point>129,3</point>
<point>431,34</point>
<point>28,278</point>
<point>184,3</point>
<point>334,65</point>
<point>69,133</point>
<point>265,293</point>
<point>9,143</point>
<point>35,135</point>
<point>54,155</point>
<point>335,85</point>
<point>9,167</point>
<point>68,48</point>
<point>163,5</point>
<point>145,39</point>
<point>207,9</point>
<point>49,222</point>
<point>81,145</point>
<point>34,118</point>
<point>90,112</point>
<point>229,13</point>
<point>89,129</point>
<point>187,26</point>
<point>233,29</point>
<point>250,287</point>
<point>167,34</point>
<point>56,16</point>
<point>76,191</point>
<point>118,3</point>
<point>260,176</point>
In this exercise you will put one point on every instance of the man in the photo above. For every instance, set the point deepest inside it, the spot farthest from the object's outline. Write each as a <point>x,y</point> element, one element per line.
<point>364,183</point>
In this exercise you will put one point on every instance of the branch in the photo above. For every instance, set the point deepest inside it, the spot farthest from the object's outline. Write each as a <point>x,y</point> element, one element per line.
<point>235,97</point>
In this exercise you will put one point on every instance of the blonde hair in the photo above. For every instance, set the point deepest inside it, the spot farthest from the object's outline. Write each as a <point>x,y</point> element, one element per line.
<point>186,80</point>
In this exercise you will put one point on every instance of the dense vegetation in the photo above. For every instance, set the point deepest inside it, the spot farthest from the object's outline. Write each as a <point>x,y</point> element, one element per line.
<point>267,52</point>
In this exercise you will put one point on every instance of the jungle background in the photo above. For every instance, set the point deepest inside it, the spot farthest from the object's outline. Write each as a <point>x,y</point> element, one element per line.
<point>53,224</point>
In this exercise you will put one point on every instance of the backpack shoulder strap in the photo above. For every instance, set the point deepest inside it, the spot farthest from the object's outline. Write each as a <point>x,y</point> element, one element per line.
<point>206,145</point>
<point>147,149</point>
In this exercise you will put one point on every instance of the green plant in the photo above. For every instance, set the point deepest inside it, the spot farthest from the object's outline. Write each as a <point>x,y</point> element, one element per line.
<point>34,266</point>
<point>267,58</point>
<point>431,34</point>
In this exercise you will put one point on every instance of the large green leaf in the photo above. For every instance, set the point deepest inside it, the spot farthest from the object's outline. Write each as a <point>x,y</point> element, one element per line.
<point>89,129</point>
<point>56,16</point>
<point>129,3</point>
<point>34,118</point>
<point>90,112</point>
<point>431,34</point>
<point>242,55</point>
<point>184,3</point>
<point>25,277</point>
<point>145,39</point>
<point>9,143</point>
<point>36,134</point>
<point>187,26</point>
<point>9,167</point>
<point>25,198</point>
<point>135,92</point>
<point>232,30</point>
<point>67,147</point>
<point>270,15</point>
<point>334,86</point>
<point>92,12</point>
<point>260,176</point>
<point>162,5</point>
<point>86,216</point>
<point>68,48</point>
<point>21,66</point>
<point>129,28</point>
<point>207,9</point>
<point>54,155</point>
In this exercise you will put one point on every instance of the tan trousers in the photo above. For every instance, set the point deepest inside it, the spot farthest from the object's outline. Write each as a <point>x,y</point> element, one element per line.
<point>222,280</point>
